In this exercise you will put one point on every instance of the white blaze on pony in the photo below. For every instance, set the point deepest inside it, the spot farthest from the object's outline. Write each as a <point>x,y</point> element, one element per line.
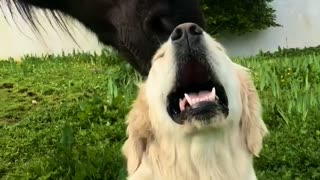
<point>197,116</point>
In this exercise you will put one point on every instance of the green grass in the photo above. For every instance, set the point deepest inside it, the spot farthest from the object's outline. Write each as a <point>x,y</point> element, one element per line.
<point>63,117</point>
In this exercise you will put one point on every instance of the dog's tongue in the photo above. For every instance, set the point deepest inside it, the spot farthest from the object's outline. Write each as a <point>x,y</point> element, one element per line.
<point>194,98</point>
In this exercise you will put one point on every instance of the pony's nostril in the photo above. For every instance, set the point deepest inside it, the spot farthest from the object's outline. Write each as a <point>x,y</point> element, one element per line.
<point>176,34</point>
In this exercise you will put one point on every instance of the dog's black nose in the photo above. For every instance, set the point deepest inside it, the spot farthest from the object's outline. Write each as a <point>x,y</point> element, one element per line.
<point>186,30</point>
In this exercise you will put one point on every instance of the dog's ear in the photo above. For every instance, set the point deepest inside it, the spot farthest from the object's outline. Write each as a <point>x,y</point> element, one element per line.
<point>252,126</point>
<point>138,131</point>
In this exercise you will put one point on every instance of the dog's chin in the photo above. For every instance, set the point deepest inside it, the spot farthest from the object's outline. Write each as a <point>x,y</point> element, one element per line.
<point>204,114</point>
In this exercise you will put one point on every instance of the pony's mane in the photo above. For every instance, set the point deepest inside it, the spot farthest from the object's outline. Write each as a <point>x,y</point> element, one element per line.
<point>28,13</point>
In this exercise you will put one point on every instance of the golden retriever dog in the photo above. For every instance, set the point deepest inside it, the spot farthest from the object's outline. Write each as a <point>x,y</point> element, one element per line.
<point>197,116</point>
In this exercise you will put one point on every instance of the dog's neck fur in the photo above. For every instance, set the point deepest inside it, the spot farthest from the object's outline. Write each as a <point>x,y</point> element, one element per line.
<point>212,155</point>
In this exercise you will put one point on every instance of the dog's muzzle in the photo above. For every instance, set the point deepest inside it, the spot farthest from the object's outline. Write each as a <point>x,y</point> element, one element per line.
<point>197,94</point>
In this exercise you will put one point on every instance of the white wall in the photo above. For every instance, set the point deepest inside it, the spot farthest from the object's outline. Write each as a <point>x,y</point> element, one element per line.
<point>18,40</point>
<point>301,28</point>
<point>300,20</point>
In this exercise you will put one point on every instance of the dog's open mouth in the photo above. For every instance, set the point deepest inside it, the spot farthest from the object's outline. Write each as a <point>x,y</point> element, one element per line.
<point>197,94</point>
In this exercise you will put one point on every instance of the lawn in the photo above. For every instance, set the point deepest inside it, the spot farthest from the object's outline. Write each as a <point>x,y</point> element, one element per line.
<point>62,117</point>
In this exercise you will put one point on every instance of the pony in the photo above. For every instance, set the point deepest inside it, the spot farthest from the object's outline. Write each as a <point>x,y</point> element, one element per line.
<point>135,28</point>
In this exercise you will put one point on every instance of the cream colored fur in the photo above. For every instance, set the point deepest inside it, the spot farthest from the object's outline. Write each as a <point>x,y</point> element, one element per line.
<point>159,149</point>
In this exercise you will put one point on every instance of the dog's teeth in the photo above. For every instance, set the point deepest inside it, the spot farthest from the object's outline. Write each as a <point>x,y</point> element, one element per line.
<point>181,105</point>
<point>212,98</point>
<point>213,93</point>
<point>188,98</point>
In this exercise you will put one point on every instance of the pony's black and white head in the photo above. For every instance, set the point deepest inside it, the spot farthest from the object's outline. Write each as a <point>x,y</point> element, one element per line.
<point>134,27</point>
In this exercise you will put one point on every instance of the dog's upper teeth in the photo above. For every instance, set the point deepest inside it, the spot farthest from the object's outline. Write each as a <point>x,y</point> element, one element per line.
<point>194,98</point>
<point>213,93</point>
<point>188,98</point>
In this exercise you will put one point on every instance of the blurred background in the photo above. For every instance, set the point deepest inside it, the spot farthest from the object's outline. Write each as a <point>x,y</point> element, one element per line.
<point>298,20</point>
